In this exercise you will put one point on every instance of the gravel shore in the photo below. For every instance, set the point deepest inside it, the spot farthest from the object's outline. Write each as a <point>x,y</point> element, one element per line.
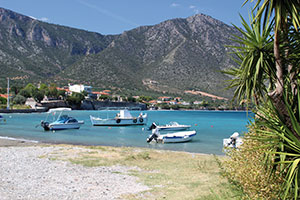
<point>26,173</point>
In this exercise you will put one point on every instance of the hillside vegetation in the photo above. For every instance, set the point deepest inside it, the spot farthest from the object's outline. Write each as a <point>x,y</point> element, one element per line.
<point>170,57</point>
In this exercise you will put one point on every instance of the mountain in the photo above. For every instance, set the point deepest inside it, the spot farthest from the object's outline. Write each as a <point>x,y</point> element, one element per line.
<point>173,56</point>
<point>35,50</point>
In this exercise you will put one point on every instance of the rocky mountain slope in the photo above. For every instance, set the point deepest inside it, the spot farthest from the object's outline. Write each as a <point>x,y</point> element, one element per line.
<point>31,49</point>
<point>172,56</point>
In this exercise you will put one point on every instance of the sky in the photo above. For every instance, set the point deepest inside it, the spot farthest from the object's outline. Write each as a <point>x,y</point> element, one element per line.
<point>116,16</point>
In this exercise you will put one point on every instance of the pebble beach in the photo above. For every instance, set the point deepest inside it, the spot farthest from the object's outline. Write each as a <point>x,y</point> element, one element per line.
<point>27,173</point>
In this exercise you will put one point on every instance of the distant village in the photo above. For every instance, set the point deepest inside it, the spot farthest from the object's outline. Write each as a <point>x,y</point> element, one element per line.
<point>80,96</point>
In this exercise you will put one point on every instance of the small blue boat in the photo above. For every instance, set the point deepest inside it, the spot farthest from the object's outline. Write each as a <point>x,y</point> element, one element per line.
<point>63,122</point>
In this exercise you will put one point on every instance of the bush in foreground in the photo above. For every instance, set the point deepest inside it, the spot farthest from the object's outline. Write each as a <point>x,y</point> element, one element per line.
<point>247,168</point>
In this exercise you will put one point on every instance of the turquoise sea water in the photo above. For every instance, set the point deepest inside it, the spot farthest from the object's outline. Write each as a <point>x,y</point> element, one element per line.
<point>211,127</point>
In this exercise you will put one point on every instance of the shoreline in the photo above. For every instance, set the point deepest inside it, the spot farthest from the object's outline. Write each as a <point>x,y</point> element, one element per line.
<point>13,142</point>
<point>20,142</point>
<point>21,111</point>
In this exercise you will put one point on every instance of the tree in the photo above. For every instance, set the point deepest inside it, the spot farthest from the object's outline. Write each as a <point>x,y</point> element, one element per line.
<point>268,59</point>
<point>62,93</point>
<point>75,99</point>
<point>145,98</point>
<point>25,93</point>
<point>285,16</point>
<point>15,89</point>
<point>3,100</point>
<point>105,97</point>
<point>44,89</point>
<point>3,90</point>
<point>19,99</point>
<point>29,91</point>
<point>38,96</point>
<point>52,92</point>
<point>131,99</point>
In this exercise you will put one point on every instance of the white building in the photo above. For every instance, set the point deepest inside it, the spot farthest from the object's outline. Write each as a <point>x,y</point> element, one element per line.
<point>80,88</point>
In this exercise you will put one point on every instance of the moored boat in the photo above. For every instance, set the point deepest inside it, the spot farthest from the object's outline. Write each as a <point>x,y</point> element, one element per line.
<point>123,118</point>
<point>2,119</point>
<point>172,126</point>
<point>233,142</point>
<point>175,137</point>
<point>63,121</point>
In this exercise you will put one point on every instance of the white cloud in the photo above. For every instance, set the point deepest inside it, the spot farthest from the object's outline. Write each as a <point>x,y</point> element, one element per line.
<point>175,5</point>
<point>44,19</point>
<point>108,13</point>
<point>194,8</point>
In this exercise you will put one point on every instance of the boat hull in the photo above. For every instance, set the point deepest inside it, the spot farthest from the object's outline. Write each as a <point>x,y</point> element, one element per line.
<point>227,143</point>
<point>53,127</point>
<point>177,137</point>
<point>181,128</point>
<point>118,122</point>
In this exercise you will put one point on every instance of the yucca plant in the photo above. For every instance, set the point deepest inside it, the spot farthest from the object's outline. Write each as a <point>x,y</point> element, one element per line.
<point>284,146</point>
<point>268,75</point>
<point>254,55</point>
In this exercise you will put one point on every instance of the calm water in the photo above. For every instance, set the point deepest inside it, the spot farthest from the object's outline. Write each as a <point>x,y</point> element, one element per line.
<point>211,127</point>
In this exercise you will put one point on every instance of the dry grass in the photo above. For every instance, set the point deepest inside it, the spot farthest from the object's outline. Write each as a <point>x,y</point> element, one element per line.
<point>247,168</point>
<point>171,175</point>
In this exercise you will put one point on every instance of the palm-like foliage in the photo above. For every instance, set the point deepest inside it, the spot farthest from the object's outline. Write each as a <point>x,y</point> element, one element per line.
<point>255,58</point>
<point>285,146</point>
<point>282,10</point>
<point>278,122</point>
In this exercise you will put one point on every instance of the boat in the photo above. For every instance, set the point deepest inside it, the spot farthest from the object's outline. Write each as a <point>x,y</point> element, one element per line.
<point>234,141</point>
<point>172,126</point>
<point>123,118</point>
<point>2,119</point>
<point>62,122</point>
<point>180,136</point>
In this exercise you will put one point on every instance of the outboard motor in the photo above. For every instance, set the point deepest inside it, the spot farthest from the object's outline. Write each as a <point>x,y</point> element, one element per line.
<point>45,125</point>
<point>153,126</point>
<point>233,139</point>
<point>154,136</point>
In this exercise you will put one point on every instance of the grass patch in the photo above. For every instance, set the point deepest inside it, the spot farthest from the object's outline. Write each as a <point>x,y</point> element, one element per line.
<point>171,175</point>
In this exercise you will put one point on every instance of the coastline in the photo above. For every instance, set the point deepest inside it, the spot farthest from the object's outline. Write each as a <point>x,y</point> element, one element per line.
<point>63,171</point>
<point>13,142</point>
<point>20,142</point>
<point>29,111</point>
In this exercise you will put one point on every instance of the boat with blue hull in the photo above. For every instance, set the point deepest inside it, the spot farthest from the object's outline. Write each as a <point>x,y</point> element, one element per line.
<point>63,121</point>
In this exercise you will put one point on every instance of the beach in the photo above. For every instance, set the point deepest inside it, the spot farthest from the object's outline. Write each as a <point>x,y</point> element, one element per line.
<point>40,171</point>
<point>10,142</point>
<point>27,173</point>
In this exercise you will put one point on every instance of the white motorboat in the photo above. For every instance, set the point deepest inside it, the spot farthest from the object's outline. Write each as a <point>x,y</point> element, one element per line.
<point>181,136</point>
<point>172,126</point>
<point>62,122</point>
<point>123,118</point>
<point>233,142</point>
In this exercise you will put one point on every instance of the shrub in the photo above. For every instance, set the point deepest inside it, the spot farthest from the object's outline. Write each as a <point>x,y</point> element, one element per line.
<point>246,167</point>
<point>19,99</point>
<point>3,100</point>
<point>75,99</point>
